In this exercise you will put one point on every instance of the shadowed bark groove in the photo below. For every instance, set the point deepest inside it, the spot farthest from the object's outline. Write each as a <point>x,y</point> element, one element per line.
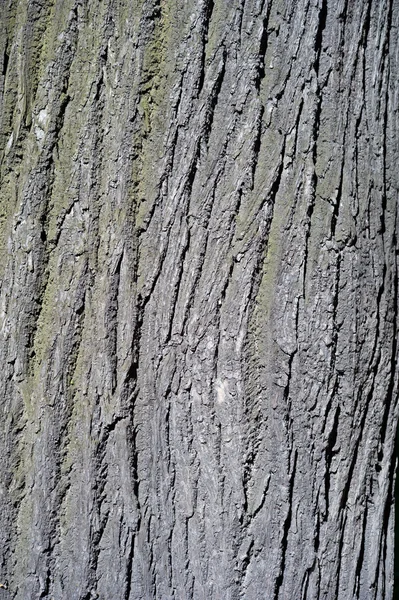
<point>198,299</point>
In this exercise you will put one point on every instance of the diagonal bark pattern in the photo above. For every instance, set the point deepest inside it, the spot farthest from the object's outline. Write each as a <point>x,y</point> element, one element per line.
<point>199,299</point>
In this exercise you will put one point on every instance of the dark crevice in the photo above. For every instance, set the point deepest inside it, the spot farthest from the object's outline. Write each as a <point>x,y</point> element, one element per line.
<point>338,566</point>
<point>319,34</point>
<point>176,289</point>
<point>207,19</point>
<point>391,396</point>
<point>315,133</point>
<point>246,560</point>
<point>366,26</point>
<point>360,559</point>
<point>129,570</point>
<point>317,532</point>
<point>262,502</point>
<point>100,516</point>
<point>296,127</point>
<point>335,301</point>
<point>287,526</point>
<point>201,252</point>
<point>306,579</point>
<point>200,259</point>
<point>263,48</point>
<point>329,454</point>
<point>6,59</point>
<point>135,469</point>
<point>252,403</point>
<point>395,491</point>
<point>129,394</point>
<point>337,202</point>
<point>257,145</point>
<point>360,430</point>
<point>330,401</point>
<point>213,99</point>
<point>145,297</point>
<point>253,416</point>
<point>111,312</point>
<point>389,508</point>
<point>312,200</point>
<point>46,585</point>
<point>286,393</point>
<point>274,188</point>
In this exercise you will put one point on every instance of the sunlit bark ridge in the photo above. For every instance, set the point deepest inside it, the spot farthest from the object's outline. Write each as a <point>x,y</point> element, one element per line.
<point>199,299</point>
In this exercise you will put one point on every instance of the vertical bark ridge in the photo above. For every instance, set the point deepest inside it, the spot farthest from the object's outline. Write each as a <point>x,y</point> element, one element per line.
<point>199,300</point>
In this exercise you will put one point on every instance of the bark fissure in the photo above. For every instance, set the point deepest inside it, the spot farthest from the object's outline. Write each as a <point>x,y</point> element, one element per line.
<point>198,299</point>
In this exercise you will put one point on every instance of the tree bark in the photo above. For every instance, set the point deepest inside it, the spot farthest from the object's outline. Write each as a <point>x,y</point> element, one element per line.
<point>199,299</point>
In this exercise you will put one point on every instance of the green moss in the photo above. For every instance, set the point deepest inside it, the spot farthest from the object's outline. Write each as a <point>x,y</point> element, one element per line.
<point>62,196</point>
<point>215,30</point>
<point>271,267</point>
<point>22,481</point>
<point>25,520</point>
<point>76,446</point>
<point>36,53</point>
<point>45,326</point>
<point>7,206</point>
<point>158,65</point>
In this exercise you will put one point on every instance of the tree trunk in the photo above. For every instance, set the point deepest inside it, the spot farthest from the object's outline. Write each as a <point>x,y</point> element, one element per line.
<point>199,299</point>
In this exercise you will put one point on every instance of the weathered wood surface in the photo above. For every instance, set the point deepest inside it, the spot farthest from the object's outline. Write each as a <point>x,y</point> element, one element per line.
<point>199,295</point>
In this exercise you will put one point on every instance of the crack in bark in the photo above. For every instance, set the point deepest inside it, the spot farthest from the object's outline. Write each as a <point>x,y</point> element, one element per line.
<point>286,530</point>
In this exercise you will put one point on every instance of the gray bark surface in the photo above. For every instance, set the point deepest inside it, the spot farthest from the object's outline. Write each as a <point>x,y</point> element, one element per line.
<point>199,299</point>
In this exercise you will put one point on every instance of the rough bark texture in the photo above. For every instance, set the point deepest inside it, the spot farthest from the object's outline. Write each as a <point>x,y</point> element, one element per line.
<point>199,295</point>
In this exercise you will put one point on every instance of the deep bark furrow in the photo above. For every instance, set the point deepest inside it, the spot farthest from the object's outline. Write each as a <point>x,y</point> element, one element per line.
<point>287,525</point>
<point>199,299</point>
